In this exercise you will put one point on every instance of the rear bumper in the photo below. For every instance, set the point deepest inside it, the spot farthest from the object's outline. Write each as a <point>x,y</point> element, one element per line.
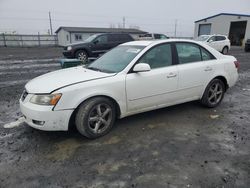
<point>44,118</point>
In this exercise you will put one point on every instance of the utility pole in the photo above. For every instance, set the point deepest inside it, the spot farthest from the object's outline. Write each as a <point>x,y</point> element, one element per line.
<point>124,21</point>
<point>175,28</point>
<point>50,23</point>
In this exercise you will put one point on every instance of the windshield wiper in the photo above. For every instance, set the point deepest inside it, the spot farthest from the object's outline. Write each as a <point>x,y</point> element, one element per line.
<point>100,70</point>
<point>95,69</point>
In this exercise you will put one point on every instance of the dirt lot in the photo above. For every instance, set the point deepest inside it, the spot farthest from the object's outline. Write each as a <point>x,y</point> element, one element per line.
<point>180,146</point>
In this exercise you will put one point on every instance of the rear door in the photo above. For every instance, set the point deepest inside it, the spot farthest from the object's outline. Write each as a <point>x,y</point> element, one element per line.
<point>194,69</point>
<point>113,40</point>
<point>156,87</point>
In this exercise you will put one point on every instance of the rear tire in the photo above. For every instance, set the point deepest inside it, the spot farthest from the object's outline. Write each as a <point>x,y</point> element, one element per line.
<point>95,117</point>
<point>225,50</point>
<point>213,94</point>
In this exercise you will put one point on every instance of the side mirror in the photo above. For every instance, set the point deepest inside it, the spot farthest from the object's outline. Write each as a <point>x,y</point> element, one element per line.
<point>141,67</point>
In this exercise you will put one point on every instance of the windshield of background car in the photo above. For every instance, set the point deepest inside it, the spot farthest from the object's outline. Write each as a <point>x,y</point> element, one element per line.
<point>116,60</point>
<point>202,38</point>
<point>91,38</point>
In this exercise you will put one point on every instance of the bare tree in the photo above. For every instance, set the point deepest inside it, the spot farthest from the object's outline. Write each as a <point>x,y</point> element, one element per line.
<point>112,25</point>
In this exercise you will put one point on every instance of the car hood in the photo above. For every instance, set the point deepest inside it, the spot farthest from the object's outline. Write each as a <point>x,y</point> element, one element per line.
<point>79,44</point>
<point>57,79</point>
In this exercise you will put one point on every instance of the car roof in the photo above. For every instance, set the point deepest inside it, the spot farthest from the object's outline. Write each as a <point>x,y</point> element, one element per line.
<point>155,42</point>
<point>214,35</point>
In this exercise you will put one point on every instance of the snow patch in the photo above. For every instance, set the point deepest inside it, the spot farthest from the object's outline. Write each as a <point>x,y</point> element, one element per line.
<point>14,124</point>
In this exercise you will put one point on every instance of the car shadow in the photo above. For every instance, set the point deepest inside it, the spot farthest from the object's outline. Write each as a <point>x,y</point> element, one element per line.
<point>137,121</point>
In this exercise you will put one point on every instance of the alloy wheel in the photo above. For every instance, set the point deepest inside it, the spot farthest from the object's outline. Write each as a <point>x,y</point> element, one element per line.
<point>215,93</point>
<point>100,118</point>
<point>82,56</point>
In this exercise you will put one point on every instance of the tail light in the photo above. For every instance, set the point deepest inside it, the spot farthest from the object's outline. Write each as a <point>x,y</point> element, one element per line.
<point>237,64</point>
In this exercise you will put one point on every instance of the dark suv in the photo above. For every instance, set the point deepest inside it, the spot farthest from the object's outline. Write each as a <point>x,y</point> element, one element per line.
<point>247,45</point>
<point>95,45</point>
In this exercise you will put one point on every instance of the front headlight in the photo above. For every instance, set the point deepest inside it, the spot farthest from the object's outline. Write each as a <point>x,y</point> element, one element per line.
<point>69,48</point>
<point>46,99</point>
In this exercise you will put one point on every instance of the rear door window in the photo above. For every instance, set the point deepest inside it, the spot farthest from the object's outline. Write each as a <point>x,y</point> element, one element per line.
<point>188,53</point>
<point>125,37</point>
<point>220,38</point>
<point>113,38</point>
<point>206,55</point>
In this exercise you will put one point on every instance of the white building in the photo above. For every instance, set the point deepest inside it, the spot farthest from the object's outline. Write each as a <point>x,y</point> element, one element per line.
<point>68,35</point>
<point>235,26</point>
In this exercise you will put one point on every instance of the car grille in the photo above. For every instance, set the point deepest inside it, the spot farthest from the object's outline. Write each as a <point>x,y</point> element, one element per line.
<point>24,95</point>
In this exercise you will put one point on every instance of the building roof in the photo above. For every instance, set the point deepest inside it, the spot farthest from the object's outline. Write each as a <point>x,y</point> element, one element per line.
<point>224,14</point>
<point>100,30</point>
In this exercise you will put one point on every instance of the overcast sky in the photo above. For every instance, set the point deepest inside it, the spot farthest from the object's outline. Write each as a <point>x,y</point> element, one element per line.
<point>31,16</point>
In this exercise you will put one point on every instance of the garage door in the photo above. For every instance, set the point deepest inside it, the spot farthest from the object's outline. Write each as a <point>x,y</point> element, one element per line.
<point>204,29</point>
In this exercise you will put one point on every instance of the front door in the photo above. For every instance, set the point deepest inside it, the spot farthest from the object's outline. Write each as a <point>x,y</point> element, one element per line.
<point>213,43</point>
<point>100,45</point>
<point>157,87</point>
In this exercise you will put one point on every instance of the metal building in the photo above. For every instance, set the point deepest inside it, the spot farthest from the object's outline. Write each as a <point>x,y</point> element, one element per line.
<point>235,26</point>
<point>68,35</point>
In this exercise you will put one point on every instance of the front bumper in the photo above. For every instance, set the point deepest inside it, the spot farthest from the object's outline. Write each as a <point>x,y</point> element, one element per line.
<point>51,120</point>
<point>68,54</point>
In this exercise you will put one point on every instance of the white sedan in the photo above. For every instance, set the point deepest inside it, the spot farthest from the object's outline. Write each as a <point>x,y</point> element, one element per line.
<point>132,78</point>
<point>219,42</point>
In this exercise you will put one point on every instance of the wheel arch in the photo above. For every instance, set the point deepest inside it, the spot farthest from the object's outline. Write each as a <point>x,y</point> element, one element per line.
<point>223,79</point>
<point>226,46</point>
<point>82,49</point>
<point>72,117</point>
<point>220,77</point>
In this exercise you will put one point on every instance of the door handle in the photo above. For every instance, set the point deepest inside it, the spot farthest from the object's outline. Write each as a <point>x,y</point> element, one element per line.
<point>171,75</point>
<point>208,69</point>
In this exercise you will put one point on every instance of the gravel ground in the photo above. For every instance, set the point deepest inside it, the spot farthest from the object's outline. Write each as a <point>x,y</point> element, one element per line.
<point>180,146</point>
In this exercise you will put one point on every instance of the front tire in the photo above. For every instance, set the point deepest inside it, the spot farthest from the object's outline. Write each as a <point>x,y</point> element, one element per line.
<point>225,50</point>
<point>82,55</point>
<point>95,117</point>
<point>213,94</point>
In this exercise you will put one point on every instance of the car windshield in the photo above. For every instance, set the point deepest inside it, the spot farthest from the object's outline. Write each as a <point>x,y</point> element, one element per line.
<point>115,60</point>
<point>91,38</point>
<point>202,38</point>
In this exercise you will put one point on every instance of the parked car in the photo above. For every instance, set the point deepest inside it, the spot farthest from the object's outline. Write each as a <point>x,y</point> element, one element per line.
<point>132,78</point>
<point>247,45</point>
<point>95,45</point>
<point>218,42</point>
<point>153,36</point>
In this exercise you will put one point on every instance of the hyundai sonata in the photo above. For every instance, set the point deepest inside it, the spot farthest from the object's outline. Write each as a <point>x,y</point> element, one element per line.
<point>132,78</point>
